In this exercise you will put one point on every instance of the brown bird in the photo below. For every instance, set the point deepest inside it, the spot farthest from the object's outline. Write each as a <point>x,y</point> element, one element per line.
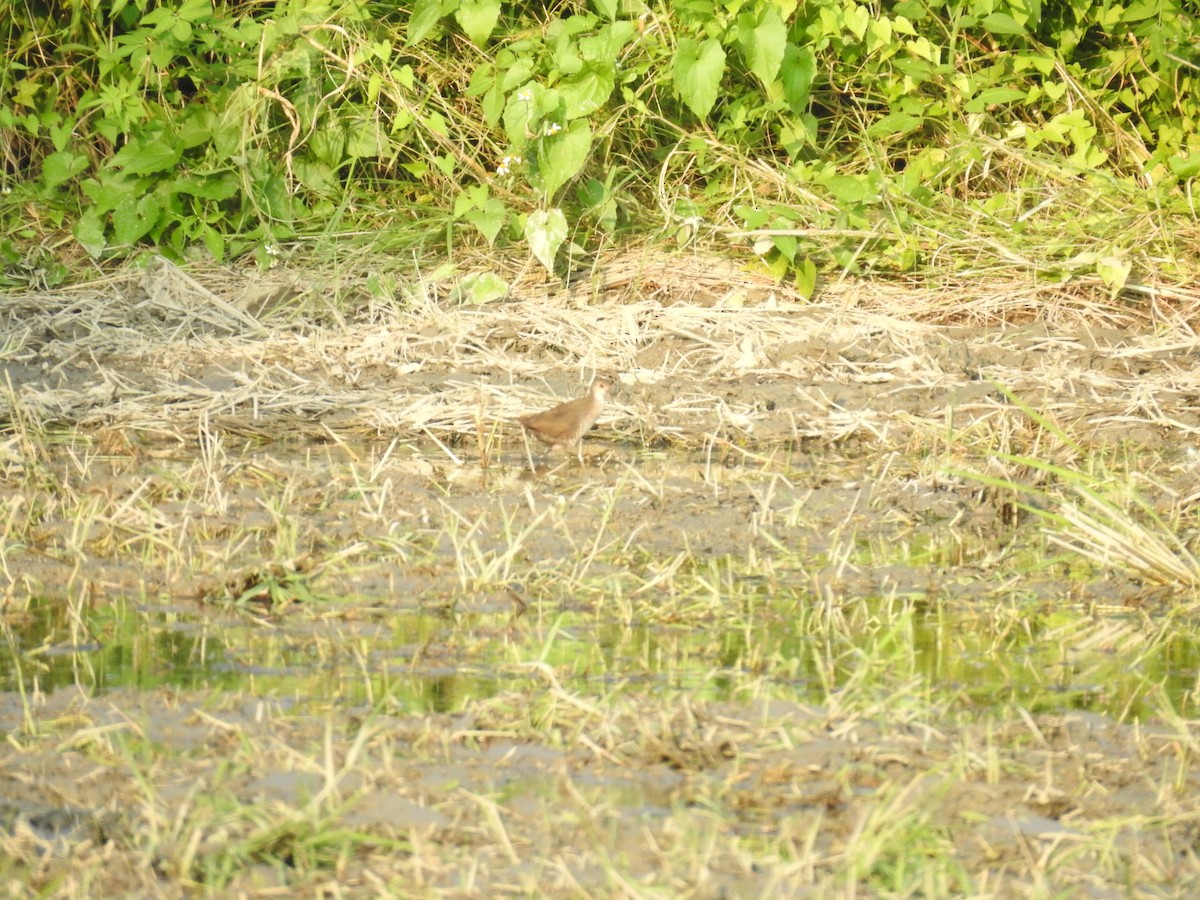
<point>564,425</point>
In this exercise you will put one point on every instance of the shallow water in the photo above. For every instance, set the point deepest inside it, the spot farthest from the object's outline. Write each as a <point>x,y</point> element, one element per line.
<point>344,573</point>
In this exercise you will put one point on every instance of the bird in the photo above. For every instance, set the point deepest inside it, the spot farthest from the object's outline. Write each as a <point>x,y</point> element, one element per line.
<point>564,425</point>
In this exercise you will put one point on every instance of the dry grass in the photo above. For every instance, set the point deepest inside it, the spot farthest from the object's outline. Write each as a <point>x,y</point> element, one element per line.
<point>630,796</point>
<point>748,363</point>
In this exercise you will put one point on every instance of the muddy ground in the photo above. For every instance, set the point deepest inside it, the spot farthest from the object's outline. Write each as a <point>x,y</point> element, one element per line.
<point>193,448</point>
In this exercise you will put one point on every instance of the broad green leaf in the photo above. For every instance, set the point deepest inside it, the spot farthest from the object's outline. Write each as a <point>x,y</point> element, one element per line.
<point>1002,23</point>
<point>562,156</point>
<point>59,168</point>
<point>698,72</point>
<point>488,219</point>
<point>546,230</point>
<point>753,217</point>
<point>483,79</point>
<point>196,128</point>
<point>1114,272</point>
<point>329,145</point>
<point>473,197</point>
<point>586,91</point>
<point>316,175</point>
<point>425,15</point>
<point>606,8</point>
<point>520,112</point>
<point>109,190</point>
<point>763,39</point>
<point>363,140</point>
<point>483,287</point>
<point>89,231</point>
<point>1139,10</point>
<point>856,19</point>
<point>848,188</point>
<point>879,35</point>
<point>518,73</point>
<point>143,156</point>
<point>895,124</point>
<point>132,219</point>
<point>796,74</point>
<point>1185,167</point>
<point>604,47</point>
<point>492,105</point>
<point>477,18</point>
<point>993,96</point>
<point>214,242</point>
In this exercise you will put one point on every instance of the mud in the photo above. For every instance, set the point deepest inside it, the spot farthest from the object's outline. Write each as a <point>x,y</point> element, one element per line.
<point>312,575</point>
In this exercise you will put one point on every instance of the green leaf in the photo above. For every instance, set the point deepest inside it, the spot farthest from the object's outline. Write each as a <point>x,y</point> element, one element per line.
<point>1114,272</point>
<point>895,124</point>
<point>763,39</point>
<point>585,92</point>
<point>492,105</point>
<point>425,15</point>
<point>519,113</point>
<point>488,218</point>
<point>146,155</point>
<point>210,187</point>
<point>363,140</point>
<point>753,217</point>
<point>1002,23</point>
<point>697,75</point>
<point>59,168</point>
<point>848,188</point>
<point>562,156</point>
<point>132,219</point>
<point>546,230</point>
<point>796,73</point>
<point>786,244</point>
<point>992,96</point>
<point>856,19</point>
<point>483,287</point>
<point>806,278</point>
<point>1185,167</point>
<point>89,231</point>
<point>478,18</point>
<point>213,241</point>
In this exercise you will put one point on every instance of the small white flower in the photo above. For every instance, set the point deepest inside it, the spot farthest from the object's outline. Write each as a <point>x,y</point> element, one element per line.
<point>525,95</point>
<point>506,165</point>
<point>552,129</point>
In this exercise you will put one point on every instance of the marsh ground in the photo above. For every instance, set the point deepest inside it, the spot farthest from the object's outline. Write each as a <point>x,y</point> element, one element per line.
<point>288,609</point>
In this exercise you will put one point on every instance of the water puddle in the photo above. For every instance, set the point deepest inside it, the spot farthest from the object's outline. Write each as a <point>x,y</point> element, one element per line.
<point>344,574</point>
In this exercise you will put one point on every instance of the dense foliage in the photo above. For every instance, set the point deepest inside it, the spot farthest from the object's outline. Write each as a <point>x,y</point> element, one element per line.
<point>863,135</point>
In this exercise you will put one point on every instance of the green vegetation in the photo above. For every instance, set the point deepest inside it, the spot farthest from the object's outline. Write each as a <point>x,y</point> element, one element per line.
<point>905,137</point>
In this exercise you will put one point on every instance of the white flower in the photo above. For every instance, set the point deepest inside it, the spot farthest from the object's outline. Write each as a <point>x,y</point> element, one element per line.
<point>552,129</point>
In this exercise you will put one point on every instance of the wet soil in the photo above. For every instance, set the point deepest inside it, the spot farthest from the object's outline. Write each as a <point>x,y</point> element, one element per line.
<point>312,575</point>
